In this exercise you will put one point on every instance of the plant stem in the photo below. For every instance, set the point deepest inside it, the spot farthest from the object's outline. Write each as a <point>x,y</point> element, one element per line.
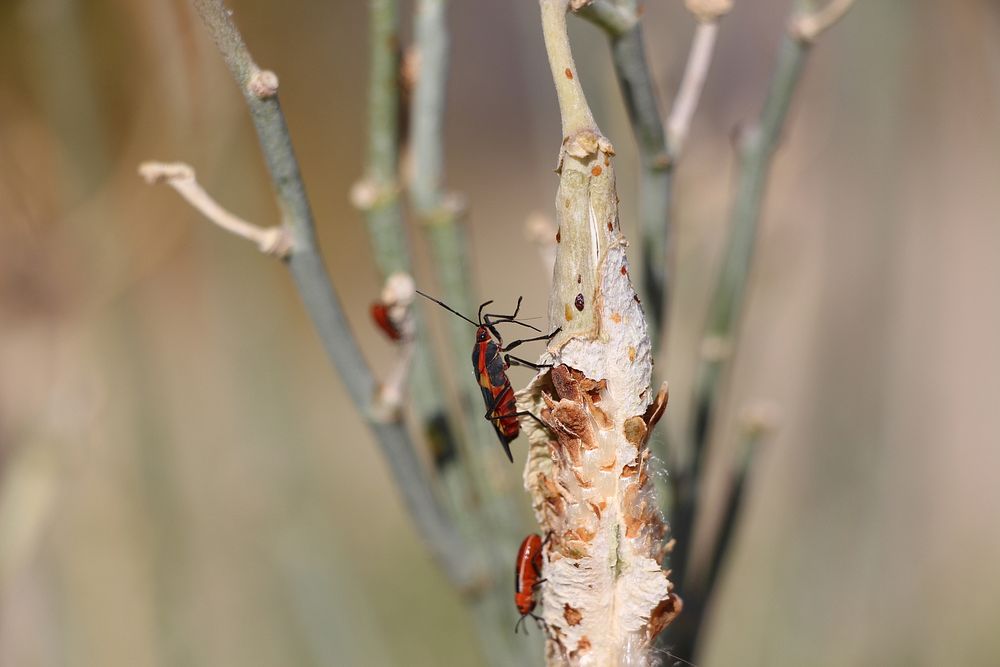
<point>439,214</point>
<point>605,594</point>
<point>684,636</point>
<point>384,214</point>
<point>658,150</point>
<point>695,72</point>
<point>380,201</point>
<point>321,302</point>
<point>573,108</point>
<point>758,147</point>
<point>496,522</point>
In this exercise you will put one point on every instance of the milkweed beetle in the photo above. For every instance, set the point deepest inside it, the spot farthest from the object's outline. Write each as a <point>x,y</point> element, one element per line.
<point>380,315</point>
<point>490,362</point>
<point>527,578</point>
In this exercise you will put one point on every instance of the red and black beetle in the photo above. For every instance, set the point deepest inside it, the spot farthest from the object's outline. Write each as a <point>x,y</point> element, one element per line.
<point>527,578</point>
<point>491,361</point>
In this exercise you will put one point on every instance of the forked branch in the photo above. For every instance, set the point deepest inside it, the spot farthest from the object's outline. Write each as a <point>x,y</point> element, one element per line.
<point>274,241</point>
<point>758,146</point>
<point>259,89</point>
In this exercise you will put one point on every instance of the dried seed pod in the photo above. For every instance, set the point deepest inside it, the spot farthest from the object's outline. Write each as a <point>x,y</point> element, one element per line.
<point>605,595</point>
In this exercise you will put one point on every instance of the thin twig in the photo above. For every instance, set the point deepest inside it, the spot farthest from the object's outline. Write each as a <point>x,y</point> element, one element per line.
<point>323,306</point>
<point>695,72</point>
<point>274,241</point>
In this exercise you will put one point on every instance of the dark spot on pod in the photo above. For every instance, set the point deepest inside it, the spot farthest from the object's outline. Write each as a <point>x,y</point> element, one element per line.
<point>569,73</point>
<point>596,171</point>
<point>611,226</point>
<point>624,270</point>
<point>558,235</point>
<point>579,279</point>
<point>636,297</point>
<point>578,302</point>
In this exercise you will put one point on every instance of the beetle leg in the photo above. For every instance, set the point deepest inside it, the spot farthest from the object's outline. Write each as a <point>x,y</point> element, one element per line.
<point>521,362</point>
<point>513,344</point>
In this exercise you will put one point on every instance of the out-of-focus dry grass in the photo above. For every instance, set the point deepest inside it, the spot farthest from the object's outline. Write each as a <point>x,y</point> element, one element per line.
<point>184,482</point>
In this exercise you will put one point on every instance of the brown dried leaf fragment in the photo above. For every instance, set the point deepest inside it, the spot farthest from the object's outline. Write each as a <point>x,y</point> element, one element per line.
<point>595,508</point>
<point>636,431</point>
<point>581,480</point>
<point>572,616</point>
<point>664,614</point>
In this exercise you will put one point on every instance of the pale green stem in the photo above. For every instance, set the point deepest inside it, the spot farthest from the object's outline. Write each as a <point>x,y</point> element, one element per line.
<point>573,108</point>
<point>321,302</point>
<point>718,342</point>
<point>440,218</point>
<point>441,221</point>
<point>757,149</point>
<point>684,637</point>
<point>384,214</point>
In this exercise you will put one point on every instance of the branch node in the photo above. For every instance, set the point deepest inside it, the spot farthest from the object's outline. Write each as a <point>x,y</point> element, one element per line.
<point>166,172</point>
<point>453,206</point>
<point>709,11</point>
<point>615,19</point>
<point>366,194</point>
<point>760,419</point>
<point>272,241</point>
<point>275,242</point>
<point>808,26</point>
<point>397,296</point>
<point>263,84</point>
<point>716,349</point>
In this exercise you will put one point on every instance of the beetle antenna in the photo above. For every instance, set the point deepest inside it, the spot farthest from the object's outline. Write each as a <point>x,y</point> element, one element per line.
<point>481,306</point>
<point>449,308</point>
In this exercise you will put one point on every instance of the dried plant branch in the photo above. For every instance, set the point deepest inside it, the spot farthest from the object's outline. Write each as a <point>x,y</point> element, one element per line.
<point>605,595</point>
<point>312,281</point>
<point>695,72</point>
<point>758,146</point>
<point>274,241</point>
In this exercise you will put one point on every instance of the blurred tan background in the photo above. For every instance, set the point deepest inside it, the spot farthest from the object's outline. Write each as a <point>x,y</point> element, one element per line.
<point>183,482</point>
